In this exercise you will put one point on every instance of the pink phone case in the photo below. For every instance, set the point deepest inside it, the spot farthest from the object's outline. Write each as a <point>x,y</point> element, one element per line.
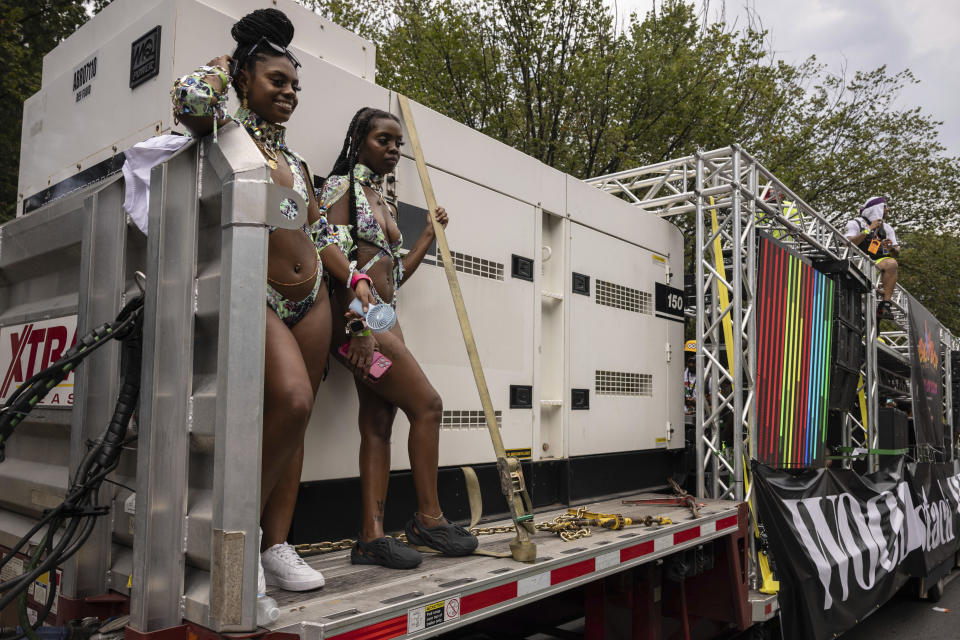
<point>378,366</point>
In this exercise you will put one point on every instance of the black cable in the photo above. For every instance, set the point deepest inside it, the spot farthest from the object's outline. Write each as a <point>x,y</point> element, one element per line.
<point>120,484</point>
<point>75,518</point>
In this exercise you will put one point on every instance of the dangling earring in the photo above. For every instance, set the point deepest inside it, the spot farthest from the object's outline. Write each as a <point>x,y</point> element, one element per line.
<point>243,102</point>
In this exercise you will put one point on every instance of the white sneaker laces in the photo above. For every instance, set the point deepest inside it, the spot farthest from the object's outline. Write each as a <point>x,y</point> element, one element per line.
<point>289,555</point>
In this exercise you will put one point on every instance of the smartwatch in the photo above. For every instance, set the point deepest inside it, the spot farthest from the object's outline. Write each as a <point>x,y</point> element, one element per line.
<point>355,326</point>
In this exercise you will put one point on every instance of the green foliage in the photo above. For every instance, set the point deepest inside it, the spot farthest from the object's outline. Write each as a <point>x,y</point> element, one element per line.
<point>29,29</point>
<point>843,142</point>
<point>560,81</point>
<point>928,268</point>
<point>557,80</point>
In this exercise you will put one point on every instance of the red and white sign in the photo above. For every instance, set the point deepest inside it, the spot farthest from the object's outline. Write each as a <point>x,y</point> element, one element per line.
<point>28,348</point>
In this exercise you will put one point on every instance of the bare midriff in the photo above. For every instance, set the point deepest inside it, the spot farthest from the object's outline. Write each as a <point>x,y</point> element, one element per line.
<point>292,257</point>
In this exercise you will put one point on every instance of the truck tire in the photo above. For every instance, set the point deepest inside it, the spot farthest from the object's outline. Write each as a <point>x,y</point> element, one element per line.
<point>935,592</point>
<point>767,630</point>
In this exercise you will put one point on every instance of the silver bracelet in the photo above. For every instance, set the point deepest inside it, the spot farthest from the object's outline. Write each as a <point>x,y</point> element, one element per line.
<point>353,269</point>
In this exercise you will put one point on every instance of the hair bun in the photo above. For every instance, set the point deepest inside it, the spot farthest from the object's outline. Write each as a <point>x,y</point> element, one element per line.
<point>271,24</point>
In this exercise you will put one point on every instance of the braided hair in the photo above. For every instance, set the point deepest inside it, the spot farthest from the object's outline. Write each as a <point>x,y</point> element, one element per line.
<point>271,24</point>
<point>350,152</point>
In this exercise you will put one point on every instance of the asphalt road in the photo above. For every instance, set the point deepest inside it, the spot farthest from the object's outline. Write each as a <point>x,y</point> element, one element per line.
<point>905,617</point>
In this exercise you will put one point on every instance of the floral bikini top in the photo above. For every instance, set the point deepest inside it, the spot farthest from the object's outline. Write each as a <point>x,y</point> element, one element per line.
<point>368,228</point>
<point>193,95</point>
<point>273,137</point>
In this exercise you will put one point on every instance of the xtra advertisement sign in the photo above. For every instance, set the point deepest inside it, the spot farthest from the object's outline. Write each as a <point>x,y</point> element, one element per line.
<point>28,348</point>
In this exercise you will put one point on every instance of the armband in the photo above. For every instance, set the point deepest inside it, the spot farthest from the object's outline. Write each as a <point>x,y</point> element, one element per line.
<point>357,277</point>
<point>222,74</point>
<point>193,95</point>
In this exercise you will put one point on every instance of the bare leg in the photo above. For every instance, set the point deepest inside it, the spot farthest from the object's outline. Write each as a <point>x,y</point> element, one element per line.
<point>287,403</point>
<point>376,424</point>
<point>312,335</point>
<point>404,386</point>
<point>888,276</point>
<point>278,511</point>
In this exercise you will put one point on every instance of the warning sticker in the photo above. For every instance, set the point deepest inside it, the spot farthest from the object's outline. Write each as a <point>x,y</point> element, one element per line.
<point>13,569</point>
<point>40,588</point>
<point>56,598</point>
<point>433,614</point>
<point>28,348</point>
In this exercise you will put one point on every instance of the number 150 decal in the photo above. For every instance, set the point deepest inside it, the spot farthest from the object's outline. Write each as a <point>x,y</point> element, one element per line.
<point>670,302</point>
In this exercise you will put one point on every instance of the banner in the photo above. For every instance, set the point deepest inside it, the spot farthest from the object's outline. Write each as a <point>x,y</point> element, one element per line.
<point>843,544</point>
<point>925,381</point>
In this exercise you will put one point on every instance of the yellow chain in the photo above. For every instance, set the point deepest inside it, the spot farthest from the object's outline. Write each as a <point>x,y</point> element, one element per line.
<point>573,525</point>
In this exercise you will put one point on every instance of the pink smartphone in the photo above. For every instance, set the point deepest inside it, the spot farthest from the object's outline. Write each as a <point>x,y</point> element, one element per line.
<point>378,366</point>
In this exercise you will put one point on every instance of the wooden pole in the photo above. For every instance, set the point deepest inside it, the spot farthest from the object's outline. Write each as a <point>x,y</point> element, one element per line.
<point>511,478</point>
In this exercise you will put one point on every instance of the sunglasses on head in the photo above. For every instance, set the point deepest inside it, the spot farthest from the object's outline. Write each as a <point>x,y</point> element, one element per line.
<point>281,50</point>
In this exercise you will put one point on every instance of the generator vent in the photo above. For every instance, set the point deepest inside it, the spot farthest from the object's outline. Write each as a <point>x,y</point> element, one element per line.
<point>464,419</point>
<point>621,297</point>
<point>624,383</point>
<point>474,266</point>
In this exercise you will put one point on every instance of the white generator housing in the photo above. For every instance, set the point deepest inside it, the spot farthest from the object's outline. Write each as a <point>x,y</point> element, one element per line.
<point>603,361</point>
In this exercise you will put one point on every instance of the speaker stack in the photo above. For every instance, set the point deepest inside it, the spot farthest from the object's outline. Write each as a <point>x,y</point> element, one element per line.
<point>892,433</point>
<point>849,327</point>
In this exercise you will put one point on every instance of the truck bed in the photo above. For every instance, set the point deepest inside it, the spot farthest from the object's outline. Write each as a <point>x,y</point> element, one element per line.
<point>373,602</point>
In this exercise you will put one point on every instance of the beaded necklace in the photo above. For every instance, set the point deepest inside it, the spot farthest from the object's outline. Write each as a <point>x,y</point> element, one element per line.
<point>269,137</point>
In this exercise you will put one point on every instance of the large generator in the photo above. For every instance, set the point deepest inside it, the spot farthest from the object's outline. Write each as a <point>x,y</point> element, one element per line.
<point>569,292</point>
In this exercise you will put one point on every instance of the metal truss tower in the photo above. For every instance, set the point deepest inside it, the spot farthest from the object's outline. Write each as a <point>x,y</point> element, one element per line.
<point>726,197</point>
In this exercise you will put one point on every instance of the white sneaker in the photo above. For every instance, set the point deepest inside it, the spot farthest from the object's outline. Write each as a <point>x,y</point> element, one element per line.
<point>285,568</point>
<point>261,579</point>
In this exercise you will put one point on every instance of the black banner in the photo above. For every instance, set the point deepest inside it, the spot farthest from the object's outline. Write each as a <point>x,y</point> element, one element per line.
<point>843,544</point>
<point>925,378</point>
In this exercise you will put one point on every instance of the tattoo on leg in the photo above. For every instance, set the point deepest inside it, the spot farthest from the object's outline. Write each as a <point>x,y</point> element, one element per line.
<point>378,517</point>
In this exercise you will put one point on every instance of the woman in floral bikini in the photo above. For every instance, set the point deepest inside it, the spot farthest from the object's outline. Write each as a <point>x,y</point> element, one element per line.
<point>362,228</point>
<point>264,74</point>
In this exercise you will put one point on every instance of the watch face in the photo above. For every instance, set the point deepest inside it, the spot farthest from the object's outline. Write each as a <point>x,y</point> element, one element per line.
<point>356,326</point>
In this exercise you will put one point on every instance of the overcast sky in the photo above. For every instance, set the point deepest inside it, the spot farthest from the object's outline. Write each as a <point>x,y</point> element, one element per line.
<point>921,35</point>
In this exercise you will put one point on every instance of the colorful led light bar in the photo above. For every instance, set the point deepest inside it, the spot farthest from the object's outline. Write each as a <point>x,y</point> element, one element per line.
<point>794,339</point>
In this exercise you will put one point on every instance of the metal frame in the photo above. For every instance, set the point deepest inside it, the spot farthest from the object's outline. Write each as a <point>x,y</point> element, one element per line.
<point>73,257</point>
<point>201,409</point>
<point>746,198</point>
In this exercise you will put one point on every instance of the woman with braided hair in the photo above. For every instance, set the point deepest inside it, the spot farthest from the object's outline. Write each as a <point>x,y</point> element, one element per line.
<point>362,230</point>
<point>264,74</point>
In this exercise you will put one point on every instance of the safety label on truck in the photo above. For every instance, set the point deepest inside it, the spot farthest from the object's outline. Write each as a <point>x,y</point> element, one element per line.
<point>430,615</point>
<point>42,587</point>
<point>28,348</point>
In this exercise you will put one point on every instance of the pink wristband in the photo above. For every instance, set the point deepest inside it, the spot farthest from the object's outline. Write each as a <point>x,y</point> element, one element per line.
<point>357,277</point>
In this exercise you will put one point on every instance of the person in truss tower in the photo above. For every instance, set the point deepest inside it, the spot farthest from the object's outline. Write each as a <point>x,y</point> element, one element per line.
<point>877,239</point>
